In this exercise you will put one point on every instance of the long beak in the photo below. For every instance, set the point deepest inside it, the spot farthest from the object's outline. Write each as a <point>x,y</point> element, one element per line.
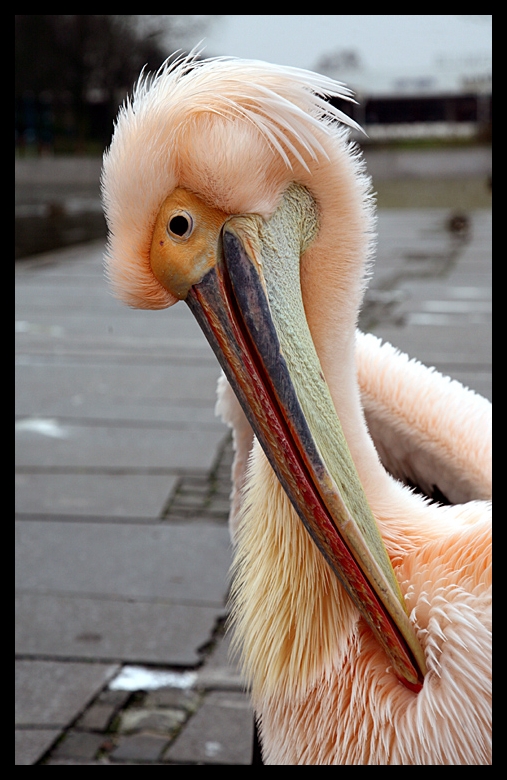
<point>250,308</point>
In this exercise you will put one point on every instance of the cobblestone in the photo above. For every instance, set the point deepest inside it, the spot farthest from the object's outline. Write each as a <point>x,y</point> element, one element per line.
<point>139,748</point>
<point>207,496</point>
<point>79,744</point>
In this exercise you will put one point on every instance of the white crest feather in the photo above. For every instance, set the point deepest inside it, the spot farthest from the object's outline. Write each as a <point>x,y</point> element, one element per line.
<point>287,106</point>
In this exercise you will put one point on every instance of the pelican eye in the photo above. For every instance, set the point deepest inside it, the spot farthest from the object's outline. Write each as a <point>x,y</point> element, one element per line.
<point>181,225</point>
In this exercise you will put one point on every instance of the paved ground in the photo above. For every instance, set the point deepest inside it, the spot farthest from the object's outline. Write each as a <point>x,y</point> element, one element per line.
<point>122,481</point>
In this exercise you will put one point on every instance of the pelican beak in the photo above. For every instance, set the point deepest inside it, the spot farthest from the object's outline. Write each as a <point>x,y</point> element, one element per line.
<point>250,308</point>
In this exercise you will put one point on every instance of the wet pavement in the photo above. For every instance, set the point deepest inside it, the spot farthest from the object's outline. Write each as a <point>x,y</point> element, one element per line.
<point>122,483</point>
<point>57,203</point>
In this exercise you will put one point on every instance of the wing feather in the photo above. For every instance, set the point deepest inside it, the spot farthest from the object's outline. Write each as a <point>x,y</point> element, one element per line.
<point>429,430</point>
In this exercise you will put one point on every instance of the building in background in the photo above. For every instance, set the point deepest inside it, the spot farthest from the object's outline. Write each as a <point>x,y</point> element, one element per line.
<point>451,101</point>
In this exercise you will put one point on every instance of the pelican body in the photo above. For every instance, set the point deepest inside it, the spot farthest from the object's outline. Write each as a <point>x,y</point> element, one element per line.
<point>360,608</point>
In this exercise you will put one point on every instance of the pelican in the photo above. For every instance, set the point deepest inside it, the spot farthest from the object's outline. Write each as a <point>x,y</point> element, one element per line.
<point>360,607</point>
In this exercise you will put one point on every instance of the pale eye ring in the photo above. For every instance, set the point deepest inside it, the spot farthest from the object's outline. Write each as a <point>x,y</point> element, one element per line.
<point>180,225</point>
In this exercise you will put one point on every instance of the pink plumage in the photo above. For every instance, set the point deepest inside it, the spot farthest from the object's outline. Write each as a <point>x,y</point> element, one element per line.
<point>237,134</point>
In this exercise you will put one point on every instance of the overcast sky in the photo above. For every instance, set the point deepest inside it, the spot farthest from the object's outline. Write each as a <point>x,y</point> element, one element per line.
<point>386,42</point>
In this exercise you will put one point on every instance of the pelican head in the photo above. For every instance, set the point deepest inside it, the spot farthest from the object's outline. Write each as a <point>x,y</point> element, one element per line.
<point>233,186</point>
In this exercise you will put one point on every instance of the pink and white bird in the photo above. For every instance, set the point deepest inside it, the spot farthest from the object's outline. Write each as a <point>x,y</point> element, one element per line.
<point>361,609</point>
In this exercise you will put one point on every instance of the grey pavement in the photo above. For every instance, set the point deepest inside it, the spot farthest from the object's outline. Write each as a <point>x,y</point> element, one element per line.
<point>122,482</point>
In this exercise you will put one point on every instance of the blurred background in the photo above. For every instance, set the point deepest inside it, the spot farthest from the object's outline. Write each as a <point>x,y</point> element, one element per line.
<point>422,83</point>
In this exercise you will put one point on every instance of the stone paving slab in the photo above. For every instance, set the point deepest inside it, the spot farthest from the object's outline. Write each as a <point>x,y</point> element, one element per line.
<point>111,447</point>
<point>432,289</point>
<point>443,347</point>
<point>186,563</point>
<point>403,233</point>
<point>441,291</point>
<point>93,495</point>
<point>222,670</point>
<point>79,745</point>
<point>31,744</point>
<point>140,748</point>
<point>134,349</point>
<point>99,762</point>
<point>221,732</point>
<point>80,385</point>
<point>93,629</point>
<point>54,315</point>
<point>45,319</point>
<point>50,693</point>
<point>182,415</point>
